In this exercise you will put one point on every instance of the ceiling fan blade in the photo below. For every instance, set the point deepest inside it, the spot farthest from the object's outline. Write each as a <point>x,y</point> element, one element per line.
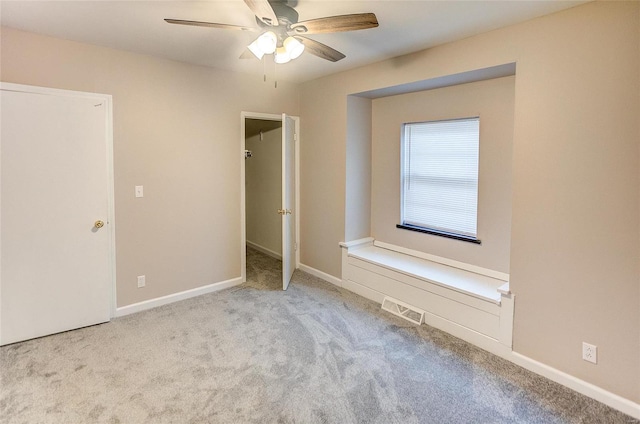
<point>321,50</point>
<point>209,25</point>
<point>263,11</point>
<point>336,24</point>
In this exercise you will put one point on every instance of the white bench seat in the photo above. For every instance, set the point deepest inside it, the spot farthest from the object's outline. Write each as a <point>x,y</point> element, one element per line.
<point>470,302</point>
<point>473,284</point>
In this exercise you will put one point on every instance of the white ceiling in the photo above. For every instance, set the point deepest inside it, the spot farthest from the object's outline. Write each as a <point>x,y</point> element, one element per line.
<point>138,26</point>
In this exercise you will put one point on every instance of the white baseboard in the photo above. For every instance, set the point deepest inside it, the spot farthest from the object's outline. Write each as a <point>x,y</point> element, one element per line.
<point>493,346</point>
<point>264,250</point>
<point>175,297</point>
<point>322,275</point>
<point>590,390</point>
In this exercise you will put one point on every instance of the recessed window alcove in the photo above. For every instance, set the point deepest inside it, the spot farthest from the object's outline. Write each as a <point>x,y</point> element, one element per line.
<point>463,288</point>
<point>372,191</point>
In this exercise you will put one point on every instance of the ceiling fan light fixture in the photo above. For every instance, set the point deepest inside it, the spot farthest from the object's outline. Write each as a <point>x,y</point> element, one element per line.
<point>281,56</point>
<point>267,42</point>
<point>293,47</point>
<point>255,49</point>
<point>279,21</point>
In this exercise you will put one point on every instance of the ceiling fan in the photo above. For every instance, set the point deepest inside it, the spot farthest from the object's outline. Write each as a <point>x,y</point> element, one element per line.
<point>284,36</point>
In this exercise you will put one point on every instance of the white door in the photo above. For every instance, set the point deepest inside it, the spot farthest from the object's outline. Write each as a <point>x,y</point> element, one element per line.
<point>56,272</point>
<point>288,200</point>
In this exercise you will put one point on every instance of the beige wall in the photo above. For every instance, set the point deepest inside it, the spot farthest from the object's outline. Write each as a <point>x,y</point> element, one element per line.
<point>576,185</point>
<point>357,213</point>
<point>177,132</point>
<point>263,173</point>
<point>575,239</point>
<point>493,102</point>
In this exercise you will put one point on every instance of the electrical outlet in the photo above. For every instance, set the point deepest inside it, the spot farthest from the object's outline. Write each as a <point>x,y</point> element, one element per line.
<point>590,352</point>
<point>141,281</point>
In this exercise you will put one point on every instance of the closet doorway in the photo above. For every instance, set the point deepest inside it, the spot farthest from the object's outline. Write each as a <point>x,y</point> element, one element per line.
<point>269,198</point>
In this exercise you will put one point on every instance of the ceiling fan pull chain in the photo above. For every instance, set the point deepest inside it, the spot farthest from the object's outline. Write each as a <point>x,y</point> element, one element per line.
<point>275,74</point>
<point>264,69</point>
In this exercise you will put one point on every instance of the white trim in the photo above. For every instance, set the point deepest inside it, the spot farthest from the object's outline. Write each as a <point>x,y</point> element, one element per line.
<point>296,145</point>
<point>353,243</point>
<point>504,289</point>
<point>264,250</point>
<point>111,215</point>
<point>423,274</point>
<point>8,86</point>
<point>176,297</point>
<point>505,332</point>
<point>322,275</point>
<point>111,205</point>
<point>263,116</point>
<point>445,261</point>
<point>588,389</point>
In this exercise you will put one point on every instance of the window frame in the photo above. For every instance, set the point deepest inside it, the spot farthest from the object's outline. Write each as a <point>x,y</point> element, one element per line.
<point>426,229</point>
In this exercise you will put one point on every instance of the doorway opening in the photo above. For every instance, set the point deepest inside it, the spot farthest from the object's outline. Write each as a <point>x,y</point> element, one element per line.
<point>263,185</point>
<point>269,189</point>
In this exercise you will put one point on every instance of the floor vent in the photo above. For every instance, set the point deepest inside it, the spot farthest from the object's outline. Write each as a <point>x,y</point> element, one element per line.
<point>403,310</point>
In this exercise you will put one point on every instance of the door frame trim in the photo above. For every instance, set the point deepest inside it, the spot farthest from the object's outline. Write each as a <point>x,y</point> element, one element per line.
<point>243,218</point>
<point>108,99</point>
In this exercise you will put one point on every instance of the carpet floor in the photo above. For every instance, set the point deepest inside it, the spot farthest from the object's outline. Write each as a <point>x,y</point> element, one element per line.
<point>255,354</point>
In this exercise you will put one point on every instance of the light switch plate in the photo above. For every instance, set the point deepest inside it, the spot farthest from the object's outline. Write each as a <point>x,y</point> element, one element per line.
<point>139,191</point>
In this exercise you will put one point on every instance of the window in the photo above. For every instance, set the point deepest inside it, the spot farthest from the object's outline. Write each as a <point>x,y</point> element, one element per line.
<point>439,177</point>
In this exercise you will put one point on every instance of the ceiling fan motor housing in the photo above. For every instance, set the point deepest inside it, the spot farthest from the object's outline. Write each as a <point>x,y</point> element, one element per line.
<point>286,14</point>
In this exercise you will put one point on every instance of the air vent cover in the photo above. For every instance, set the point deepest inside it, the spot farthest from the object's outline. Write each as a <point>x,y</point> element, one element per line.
<point>403,310</point>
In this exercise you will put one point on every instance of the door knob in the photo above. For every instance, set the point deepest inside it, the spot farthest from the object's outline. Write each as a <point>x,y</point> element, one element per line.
<point>99,224</point>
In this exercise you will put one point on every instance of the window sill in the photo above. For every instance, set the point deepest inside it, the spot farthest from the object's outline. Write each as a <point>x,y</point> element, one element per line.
<point>446,234</point>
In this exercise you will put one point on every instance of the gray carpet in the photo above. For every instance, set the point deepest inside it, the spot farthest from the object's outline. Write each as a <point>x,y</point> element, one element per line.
<point>255,354</point>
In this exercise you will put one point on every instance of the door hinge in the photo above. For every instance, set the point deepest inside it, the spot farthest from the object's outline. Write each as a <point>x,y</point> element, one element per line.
<point>295,136</point>
<point>295,246</point>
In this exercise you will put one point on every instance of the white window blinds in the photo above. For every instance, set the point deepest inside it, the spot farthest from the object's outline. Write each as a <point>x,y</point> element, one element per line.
<point>440,175</point>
